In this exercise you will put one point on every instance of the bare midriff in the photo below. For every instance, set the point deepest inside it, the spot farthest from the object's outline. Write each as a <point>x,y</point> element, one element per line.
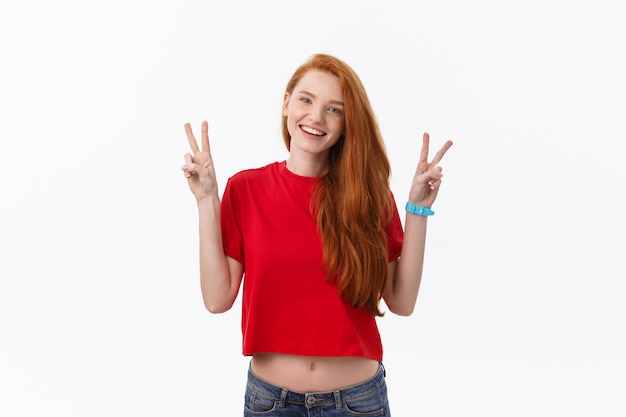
<point>312,373</point>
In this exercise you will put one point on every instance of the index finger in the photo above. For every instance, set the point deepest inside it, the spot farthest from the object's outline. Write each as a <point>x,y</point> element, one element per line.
<point>192,140</point>
<point>441,152</point>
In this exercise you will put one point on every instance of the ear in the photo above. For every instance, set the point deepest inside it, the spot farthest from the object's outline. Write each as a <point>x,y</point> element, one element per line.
<point>286,104</point>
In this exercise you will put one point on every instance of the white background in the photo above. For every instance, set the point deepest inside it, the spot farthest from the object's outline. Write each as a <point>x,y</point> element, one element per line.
<point>521,310</point>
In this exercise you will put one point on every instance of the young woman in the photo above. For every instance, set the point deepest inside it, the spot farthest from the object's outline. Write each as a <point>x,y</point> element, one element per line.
<point>319,240</point>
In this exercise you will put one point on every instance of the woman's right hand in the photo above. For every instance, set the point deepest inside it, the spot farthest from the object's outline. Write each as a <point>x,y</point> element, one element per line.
<point>198,168</point>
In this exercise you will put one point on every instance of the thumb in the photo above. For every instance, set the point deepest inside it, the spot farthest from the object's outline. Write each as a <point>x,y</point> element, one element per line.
<point>190,167</point>
<point>434,173</point>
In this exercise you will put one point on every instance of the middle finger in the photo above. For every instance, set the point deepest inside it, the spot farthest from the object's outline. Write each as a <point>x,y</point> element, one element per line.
<point>425,142</point>
<point>205,137</point>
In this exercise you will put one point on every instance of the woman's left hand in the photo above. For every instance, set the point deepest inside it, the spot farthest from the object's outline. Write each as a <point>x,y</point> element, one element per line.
<point>427,179</point>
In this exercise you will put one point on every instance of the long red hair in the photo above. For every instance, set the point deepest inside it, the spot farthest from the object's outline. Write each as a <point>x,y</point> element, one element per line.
<point>353,202</point>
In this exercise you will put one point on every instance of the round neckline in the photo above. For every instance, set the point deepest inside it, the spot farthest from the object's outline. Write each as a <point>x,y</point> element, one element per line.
<point>293,177</point>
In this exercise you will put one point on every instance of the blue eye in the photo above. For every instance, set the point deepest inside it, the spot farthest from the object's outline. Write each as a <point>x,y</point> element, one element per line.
<point>335,110</point>
<point>305,100</point>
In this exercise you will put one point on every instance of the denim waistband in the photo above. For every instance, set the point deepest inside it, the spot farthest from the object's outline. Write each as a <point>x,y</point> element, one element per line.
<point>324,398</point>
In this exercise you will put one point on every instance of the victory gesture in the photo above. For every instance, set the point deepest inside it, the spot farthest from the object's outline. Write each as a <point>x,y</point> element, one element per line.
<point>427,179</point>
<point>198,167</point>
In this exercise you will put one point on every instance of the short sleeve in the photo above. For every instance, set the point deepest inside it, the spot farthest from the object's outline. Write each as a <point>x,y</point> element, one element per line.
<point>230,217</point>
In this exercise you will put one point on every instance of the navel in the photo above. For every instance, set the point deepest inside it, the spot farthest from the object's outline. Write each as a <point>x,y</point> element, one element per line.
<point>312,366</point>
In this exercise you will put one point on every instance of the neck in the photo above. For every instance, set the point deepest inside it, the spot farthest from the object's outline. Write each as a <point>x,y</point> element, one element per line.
<point>307,167</point>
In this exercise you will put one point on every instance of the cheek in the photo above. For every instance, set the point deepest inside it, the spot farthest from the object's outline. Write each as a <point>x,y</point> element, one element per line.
<point>293,114</point>
<point>339,126</point>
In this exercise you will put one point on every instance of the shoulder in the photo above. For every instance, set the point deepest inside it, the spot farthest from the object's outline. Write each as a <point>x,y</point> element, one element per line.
<point>249,185</point>
<point>255,174</point>
<point>256,178</point>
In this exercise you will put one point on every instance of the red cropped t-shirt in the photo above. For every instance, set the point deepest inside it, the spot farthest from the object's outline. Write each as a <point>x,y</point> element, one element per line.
<point>288,305</point>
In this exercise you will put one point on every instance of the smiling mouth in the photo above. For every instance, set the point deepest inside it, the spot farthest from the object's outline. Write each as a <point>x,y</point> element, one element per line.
<point>311,131</point>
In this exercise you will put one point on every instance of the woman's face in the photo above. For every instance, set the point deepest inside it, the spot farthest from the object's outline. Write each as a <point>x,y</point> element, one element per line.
<point>315,113</point>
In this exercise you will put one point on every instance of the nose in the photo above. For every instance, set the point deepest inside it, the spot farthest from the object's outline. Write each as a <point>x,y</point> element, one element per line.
<point>316,114</point>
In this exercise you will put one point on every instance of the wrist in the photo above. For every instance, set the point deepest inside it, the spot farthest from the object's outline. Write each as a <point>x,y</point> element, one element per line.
<point>208,201</point>
<point>418,210</point>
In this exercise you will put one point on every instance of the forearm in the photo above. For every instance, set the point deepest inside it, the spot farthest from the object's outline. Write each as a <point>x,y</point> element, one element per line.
<point>405,282</point>
<point>218,288</point>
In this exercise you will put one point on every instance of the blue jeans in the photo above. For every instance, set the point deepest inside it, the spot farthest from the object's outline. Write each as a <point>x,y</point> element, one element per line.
<point>368,398</point>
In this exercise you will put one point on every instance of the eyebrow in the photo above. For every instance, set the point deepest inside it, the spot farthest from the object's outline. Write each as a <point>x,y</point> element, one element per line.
<point>341,103</point>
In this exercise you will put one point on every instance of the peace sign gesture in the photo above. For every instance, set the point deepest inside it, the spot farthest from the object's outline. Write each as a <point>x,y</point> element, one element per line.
<point>427,179</point>
<point>198,167</point>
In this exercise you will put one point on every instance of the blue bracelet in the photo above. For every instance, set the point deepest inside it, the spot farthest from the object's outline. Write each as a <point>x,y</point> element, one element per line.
<point>419,210</point>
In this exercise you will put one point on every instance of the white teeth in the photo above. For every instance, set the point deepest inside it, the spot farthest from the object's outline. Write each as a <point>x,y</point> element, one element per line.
<point>312,131</point>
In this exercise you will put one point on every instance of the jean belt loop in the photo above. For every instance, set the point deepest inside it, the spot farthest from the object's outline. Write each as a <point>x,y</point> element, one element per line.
<point>338,403</point>
<point>283,397</point>
<point>384,370</point>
